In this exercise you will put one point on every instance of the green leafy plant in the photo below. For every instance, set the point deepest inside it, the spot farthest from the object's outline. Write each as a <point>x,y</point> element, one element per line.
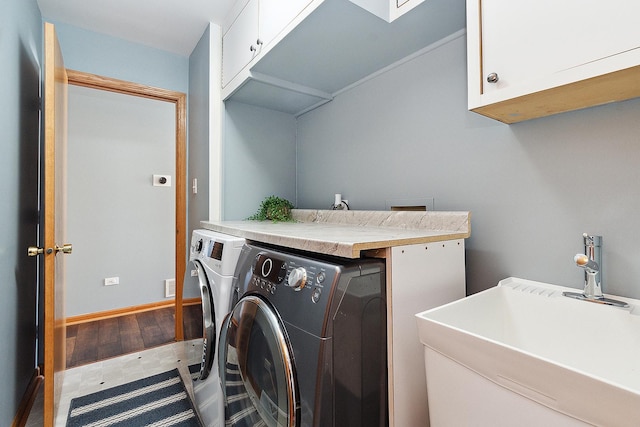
<point>275,209</point>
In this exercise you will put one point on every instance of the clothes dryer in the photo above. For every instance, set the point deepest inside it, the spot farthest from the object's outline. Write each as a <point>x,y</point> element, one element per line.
<point>305,345</point>
<point>214,256</point>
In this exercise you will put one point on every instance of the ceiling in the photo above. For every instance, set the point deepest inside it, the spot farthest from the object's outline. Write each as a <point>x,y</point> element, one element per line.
<point>171,25</point>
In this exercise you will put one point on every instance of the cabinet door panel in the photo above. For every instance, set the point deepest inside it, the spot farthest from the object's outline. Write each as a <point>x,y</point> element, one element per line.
<point>275,15</point>
<point>236,43</point>
<point>524,41</point>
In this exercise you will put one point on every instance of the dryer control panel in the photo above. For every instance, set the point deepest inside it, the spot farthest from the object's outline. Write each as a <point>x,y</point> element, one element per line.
<point>305,291</point>
<point>271,272</point>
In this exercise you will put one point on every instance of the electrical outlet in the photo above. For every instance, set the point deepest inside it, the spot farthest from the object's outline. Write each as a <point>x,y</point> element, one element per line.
<point>110,281</point>
<point>194,273</point>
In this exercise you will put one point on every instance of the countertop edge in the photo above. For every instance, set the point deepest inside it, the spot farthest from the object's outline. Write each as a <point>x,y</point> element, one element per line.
<point>350,227</point>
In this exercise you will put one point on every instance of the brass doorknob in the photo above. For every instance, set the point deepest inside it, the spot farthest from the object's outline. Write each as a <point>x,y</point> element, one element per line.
<point>65,249</point>
<point>34,251</point>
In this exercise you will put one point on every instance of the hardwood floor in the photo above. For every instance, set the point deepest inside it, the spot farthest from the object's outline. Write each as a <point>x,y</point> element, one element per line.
<point>103,339</point>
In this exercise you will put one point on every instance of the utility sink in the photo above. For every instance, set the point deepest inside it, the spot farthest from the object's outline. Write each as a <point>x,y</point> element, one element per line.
<point>521,353</point>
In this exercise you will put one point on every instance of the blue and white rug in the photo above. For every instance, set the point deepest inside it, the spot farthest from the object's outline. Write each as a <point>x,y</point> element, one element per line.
<point>159,400</point>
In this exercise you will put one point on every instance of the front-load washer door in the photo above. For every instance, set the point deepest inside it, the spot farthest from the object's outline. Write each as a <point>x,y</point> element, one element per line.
<point>256,368</point>
<point>208,323</point>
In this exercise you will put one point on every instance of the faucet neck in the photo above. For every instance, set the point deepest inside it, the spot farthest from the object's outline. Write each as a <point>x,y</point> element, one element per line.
<point>592,288</point>
<point>593,250</point>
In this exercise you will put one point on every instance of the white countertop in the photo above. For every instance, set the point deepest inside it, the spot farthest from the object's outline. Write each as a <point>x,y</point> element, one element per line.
<point>347,233</point>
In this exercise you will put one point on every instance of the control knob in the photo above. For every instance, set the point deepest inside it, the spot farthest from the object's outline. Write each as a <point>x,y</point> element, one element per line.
<point>297,278</point>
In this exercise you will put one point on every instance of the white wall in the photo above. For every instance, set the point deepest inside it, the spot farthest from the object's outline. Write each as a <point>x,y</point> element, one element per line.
<point>533,188</point>
<point>119,223</point>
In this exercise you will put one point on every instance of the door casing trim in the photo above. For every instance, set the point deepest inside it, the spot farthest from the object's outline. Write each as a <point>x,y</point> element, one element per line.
<point>94,81</point>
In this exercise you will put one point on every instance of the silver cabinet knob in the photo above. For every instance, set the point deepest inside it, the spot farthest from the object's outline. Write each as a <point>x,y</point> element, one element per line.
<point>253,48</point>
<point>493,78</point>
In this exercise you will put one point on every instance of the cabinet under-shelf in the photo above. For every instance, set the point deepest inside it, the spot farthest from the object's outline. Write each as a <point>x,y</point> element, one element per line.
<point>333,44</point>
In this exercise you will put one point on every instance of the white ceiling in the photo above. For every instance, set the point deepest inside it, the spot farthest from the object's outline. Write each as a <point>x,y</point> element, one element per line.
<point>170,25</point>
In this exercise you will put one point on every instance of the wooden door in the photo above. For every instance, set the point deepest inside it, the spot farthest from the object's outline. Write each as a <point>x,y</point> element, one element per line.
<point>55,128</point>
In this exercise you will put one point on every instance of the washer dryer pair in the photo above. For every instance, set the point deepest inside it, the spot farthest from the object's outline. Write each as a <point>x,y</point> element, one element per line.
<point>214,256</point>
<point>305,345</point>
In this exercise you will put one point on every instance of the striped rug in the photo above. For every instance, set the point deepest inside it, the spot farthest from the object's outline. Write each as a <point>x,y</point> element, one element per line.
<point>159,400</point>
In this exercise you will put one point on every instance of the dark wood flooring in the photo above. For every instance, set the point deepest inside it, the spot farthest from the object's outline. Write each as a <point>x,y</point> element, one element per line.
<point>103,339</point>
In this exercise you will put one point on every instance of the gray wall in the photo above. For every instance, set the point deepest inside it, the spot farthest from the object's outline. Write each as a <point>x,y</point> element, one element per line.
<point>119,223</point>
<point>259,158</point>
<point>95,53</point>
<point>104,55</point>
<point>533,188</point>
<point>20,56</point>
<point>199,131</point>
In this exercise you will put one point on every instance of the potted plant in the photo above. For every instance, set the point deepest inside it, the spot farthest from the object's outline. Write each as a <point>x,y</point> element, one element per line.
<point>275,209</point>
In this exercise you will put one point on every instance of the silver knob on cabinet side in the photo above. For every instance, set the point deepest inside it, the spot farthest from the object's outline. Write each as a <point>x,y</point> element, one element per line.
<point>253,48</point>
<point>493,78</point>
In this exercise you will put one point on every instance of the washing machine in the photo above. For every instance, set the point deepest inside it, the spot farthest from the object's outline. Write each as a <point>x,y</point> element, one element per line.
<point>305,345</point>
<point>214,256</point>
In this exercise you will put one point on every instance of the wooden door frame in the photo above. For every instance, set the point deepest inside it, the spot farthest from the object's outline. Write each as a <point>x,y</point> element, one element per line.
<point>94,81</point>
<point>53,220</point>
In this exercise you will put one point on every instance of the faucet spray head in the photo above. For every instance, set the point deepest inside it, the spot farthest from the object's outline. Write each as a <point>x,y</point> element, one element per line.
<point>589,265</point>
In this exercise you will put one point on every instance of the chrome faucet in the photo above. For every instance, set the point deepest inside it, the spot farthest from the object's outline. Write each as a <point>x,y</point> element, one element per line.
<point>591,262</point>
<point>593,251</point>
<point>592,286</point>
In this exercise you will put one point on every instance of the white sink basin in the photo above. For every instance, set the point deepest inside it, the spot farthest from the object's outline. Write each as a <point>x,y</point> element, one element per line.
<point>523,348</point>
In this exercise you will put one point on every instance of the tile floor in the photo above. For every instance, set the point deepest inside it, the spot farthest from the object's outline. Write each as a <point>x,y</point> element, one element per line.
<point>104,374</point>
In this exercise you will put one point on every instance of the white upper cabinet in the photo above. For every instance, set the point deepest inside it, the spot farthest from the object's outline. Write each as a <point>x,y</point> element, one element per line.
<point>259,22</point>
<point>532,59</point>
<point>240,42</point>
<point>387,9</point>
<point>275,15</point>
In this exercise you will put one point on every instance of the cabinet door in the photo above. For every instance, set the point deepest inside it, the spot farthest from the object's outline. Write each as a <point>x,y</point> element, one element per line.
<point>238,41</point>
<point>275,15</point>
<point>526,41</point>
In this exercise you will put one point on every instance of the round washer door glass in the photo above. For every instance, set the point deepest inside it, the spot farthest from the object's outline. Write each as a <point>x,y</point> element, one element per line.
<point>256,368</point>
<point>208,322</point>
